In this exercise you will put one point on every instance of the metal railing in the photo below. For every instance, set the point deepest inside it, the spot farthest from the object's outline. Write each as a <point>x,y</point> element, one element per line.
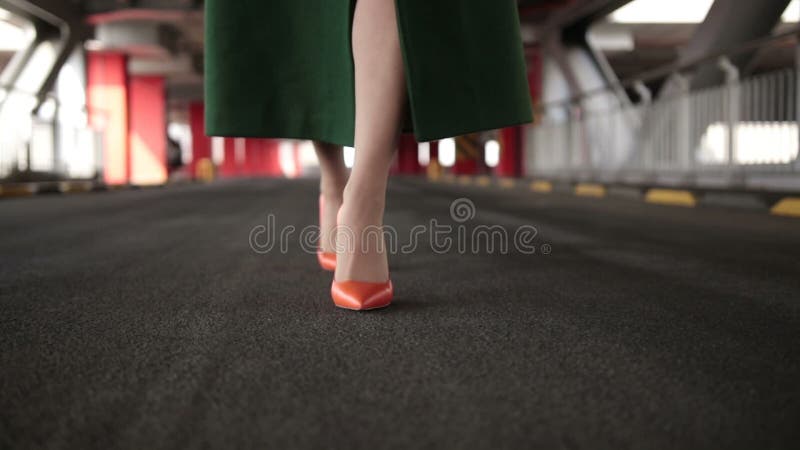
<point>49,146</point>
<point>742,134</point>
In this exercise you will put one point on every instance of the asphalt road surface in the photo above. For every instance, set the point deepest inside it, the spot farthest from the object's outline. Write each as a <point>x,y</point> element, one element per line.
<point>147,319</point>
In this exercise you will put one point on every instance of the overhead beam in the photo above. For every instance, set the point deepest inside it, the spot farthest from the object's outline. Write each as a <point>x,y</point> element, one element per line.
<point>581,14</point>
<point>730,24</point>
<point>53,12</point>
<point>105,6</point>
<point>66,18</point>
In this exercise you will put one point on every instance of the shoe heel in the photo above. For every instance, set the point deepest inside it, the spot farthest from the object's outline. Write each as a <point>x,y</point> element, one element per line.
<point>326,260</point>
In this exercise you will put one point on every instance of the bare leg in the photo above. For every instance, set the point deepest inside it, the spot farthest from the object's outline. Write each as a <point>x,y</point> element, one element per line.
<point>332,181</point>
<point>380,96</point>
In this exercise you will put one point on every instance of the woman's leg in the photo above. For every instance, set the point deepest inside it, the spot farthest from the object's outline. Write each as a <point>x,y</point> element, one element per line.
<point>332,181</point>
<point>380,98</point>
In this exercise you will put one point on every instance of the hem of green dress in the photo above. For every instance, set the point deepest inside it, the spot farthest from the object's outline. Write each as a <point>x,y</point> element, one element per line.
<point>469,129</point>
<point>346,141</point>
<point>280,134</point>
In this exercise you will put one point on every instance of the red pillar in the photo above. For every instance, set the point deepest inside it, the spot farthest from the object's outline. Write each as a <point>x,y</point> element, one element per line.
<point>408,156</point>
<point>465,166</point>
<point>272,157</point>
<point>107,104</point>
<point>510,164</point>
<point>468,151</point>
<point>229,167</point>
<point>147,131</point>
<point>262,158</point>
<point>201,144</point>
<point>512,142</point>
<point>434,151</point>
<point>249,166</point>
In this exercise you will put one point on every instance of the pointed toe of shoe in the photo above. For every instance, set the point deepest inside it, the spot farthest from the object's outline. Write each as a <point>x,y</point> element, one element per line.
<point>327,260</point>
<point>361,296</point>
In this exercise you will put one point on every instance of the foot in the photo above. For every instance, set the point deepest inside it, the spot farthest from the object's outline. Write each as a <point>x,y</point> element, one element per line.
<point>362,254</point>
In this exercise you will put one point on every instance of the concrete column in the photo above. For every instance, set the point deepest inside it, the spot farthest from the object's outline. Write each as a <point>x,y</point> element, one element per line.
<point>148,130</point>
<point>107,103</point>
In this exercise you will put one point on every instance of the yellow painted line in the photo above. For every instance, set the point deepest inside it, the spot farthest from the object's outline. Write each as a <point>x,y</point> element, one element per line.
<point>590,190</point>
<point>542,186</point>
<point>483,181</point>
<point>789,206</point>
<point>507,183</point>
<point>465,180</point>
<point>17,190</point>
<point>674,197</point>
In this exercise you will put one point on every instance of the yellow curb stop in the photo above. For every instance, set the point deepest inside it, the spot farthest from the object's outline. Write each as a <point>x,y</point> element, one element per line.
<point>673,197</point>
<point>590,190</point>
<point>542,186</point>
<point>507,183</point>
<point>74,186</point>
<point>789,206</point>
<point>17,190</point>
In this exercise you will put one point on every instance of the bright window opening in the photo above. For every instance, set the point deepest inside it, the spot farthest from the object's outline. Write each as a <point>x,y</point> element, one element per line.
<point>349,157</point>
<point>659,11</point>
<point>492,153</point>
<point>218,150</point>
<point>16,34</point>
<point>679,11</point>
<point>288,158</point>
<point>447,152</point>
<point>792,13</point>
<point>13,37</point>
<point>424,154</point>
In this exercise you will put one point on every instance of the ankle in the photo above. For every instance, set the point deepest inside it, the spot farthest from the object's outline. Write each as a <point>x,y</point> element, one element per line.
<point>363,209</point>
<point>371,191</point>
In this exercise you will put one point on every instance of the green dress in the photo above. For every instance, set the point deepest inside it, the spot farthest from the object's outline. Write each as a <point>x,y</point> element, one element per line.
<point>284,68</point>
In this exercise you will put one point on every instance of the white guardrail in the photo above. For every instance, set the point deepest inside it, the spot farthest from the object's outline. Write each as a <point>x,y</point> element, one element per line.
<point>740,135</point>
<point>61,145</point>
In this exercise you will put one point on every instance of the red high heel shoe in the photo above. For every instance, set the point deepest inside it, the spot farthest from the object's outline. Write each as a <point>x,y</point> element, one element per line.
<point>362,296</point>
<point>326,260</point>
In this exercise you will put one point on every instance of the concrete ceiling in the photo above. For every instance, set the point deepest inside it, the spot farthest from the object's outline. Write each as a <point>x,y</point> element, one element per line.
<point>655,44</point>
